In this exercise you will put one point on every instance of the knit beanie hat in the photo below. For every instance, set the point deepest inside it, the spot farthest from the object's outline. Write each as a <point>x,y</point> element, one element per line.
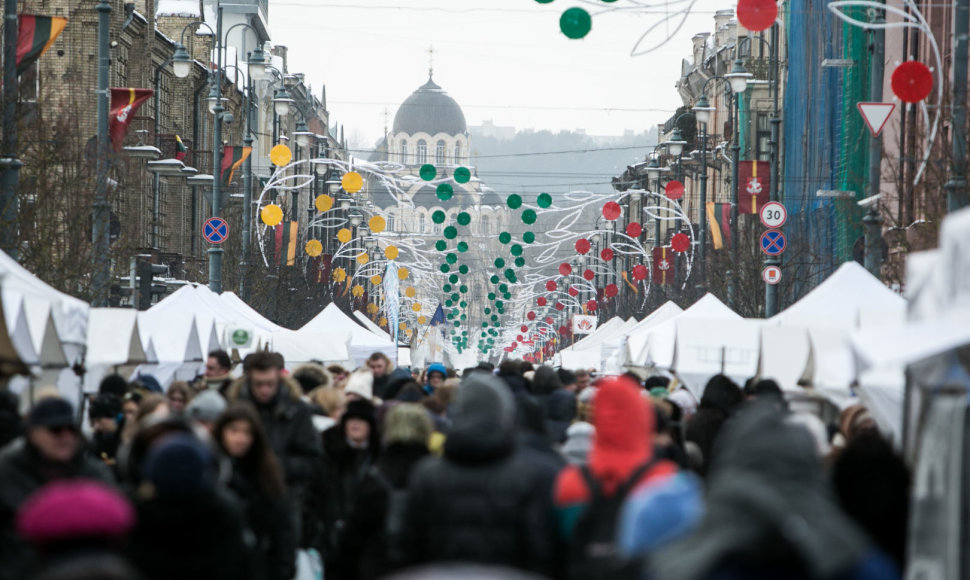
<point>72,510</point>
<point>179,464</point>
<point>361,410</point>
<point>206,406</point>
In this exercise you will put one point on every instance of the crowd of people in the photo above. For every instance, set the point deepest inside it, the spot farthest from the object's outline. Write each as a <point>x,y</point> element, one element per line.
<point>516,471</point>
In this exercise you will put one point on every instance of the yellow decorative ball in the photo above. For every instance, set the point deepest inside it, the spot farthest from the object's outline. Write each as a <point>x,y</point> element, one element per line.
<point>411,292</point>
<point>422,319</point>
<point>344,235</point>
<point>402,326</point>
<point>382,321</point>
<point>314,248</point>
<point>377,224</point>
<point>323,203</point>
<point>372,308</point>
<point>352,182</point>
<point>376,279</point>
<point>416,307</point>
<point>391,252</point>
<point>363,258</point>
<point>339,274</point>
<point>272,215</point>
<point>403,273</point>
<point>357,291</point>
<point>280,155</point>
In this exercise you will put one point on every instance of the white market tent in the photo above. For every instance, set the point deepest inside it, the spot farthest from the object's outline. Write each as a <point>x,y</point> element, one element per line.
<point>174,344</point>
<point>634,341</point>
<point>362,342</point>
<point>113,340</point>
<point>16,326</point>
<point>369,325</point>
<point>10,361</point>
<point>586,353</point>
<point>300,347</point>
<point>661,346</point>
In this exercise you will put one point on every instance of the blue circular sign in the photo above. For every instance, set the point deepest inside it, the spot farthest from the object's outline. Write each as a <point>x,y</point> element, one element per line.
<point>215,230</point>
<point>773,242</point>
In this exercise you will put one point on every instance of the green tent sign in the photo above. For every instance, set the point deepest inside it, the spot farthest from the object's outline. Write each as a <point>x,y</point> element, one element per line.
<point>240,337</point>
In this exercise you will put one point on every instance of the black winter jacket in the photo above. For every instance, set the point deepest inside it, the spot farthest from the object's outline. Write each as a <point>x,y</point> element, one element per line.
<point>268,519</point>
<point>289,426</point>
<point>362,553</point>
<point>22,472</point>
<point>481,502</point>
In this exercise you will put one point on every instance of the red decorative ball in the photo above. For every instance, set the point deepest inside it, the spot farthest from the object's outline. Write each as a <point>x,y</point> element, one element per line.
<point>551,286</point>
<point>560,306</point>
<point>589,275</point>
<point>531,316</point>
<point>525,328</point>
<point>912,81</point>
<point>518,338</point>
<point>582,246</point>
<point>565,269</point>
<point>606,254</point>
<point>680,242</point>
<point>573,291</point>
<point>639,272</point>
<point>757,15</point>
<point>611,210</point>
<point>611,290</point>
<point>563,330</point>
<point>541,301</point>
<point>549,320</point>
<point>591,306</point>
<point>633,229</point>
<point>674,190</point>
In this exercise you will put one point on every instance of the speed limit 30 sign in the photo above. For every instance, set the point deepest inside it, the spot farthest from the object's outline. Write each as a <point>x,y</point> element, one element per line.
<point>773,214</point>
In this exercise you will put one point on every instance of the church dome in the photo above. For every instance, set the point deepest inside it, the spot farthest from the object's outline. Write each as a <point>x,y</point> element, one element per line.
<point>430,110</point>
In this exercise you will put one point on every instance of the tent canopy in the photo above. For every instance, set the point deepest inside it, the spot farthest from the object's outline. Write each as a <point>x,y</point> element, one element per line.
<point>362,341</point>
<point>113,338</point>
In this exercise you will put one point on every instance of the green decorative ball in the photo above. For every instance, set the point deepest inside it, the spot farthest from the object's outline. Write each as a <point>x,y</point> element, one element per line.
<point>528,237</point>
<point>529,216</point>
<point>462,246</point>
<point>463,269</point>
<point>438,217</point>
<point>575,23</point>
<point>544,200</point>
<point>514,201</point>
<point>428,172</point>
<point>519,262</point>
<point>505,237</point>
<point>441,245</point>
<point>451,232</point>
<point>451,258</point>
<point>464,219</point>
<point>445,191</point>
<point>499,263</point>
<point>515,250</point>
<point>462,175</point>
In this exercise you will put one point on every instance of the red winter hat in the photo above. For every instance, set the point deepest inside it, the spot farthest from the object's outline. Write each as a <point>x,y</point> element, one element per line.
<point>625,423</point>
<point>73,509</point>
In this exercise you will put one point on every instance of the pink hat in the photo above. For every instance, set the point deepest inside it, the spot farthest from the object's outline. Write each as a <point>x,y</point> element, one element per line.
<point>71,509</point>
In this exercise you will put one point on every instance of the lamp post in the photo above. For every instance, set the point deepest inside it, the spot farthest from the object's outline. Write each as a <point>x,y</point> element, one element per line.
<point>738,78</point>
<point>9,200</point>
<point>771,290</point>
<point>101,208</point>
<point>675,148</point>
<point>654,170</point>
<point>702,112</point>
<point>181,66</point>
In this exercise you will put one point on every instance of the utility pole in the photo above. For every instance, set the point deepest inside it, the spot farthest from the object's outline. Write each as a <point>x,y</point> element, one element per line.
<point>101,208</point>
<point>956,188</point>
<point>702,230</point>
<point>873,221</point>
<point>771,290</point>
<point>9,200</point>
<point>735,160</point>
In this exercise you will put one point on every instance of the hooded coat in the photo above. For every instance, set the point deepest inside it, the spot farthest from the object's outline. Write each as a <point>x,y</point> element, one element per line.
<point>624,424</point>
<point>481,502</point>
<point>289,426</point>
<point>769,512</point>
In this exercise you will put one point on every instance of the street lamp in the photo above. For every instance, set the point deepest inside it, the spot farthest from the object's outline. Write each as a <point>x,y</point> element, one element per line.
<point>302,134</point>
<point>282,102</point>
<point>355,218</point>
<point>257,64</point>
<point>181,61</point>
<point>738,77</point>
<point>703,110</point>
<point>675,145</point>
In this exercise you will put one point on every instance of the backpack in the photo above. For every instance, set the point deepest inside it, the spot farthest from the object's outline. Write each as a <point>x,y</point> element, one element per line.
<point>592,553</point>
<point>397,500</point>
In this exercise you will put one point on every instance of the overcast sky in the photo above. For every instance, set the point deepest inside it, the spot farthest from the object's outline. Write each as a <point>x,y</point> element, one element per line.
<point>503,60</point>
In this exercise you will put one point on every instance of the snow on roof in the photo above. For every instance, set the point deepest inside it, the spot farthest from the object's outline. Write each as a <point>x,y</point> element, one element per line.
<point>186,8</point>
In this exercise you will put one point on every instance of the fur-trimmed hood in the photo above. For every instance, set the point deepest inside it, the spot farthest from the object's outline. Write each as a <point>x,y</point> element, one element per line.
<point>239,389</point>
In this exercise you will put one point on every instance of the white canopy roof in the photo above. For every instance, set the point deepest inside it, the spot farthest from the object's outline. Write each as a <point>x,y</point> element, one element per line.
<point>16,319</point>
<point>637,337</point>
<point>362,341</point>
<point>850,298</point>
<point>661,347</point>
<point>114,338</point>
<point>174,335</point>
<point>586,354</point>
<point>70,314</point>
<point>301,347</point>
<point>369,324</point>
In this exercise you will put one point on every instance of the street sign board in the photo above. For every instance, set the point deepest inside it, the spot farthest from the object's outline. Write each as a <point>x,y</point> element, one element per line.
<point>215,230</point>
<point>771,275</point>
<point>876,115</point>
<point>773,242</point>
<point>773,214</point>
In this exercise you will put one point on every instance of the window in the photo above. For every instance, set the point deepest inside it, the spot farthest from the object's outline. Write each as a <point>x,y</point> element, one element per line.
<point>485,230</point>
<point>763,138</point>
<point>421,223</point>
<point>458,153</point>
<point>404,151</point>
<point>439,153</point>
<point>422,152</point>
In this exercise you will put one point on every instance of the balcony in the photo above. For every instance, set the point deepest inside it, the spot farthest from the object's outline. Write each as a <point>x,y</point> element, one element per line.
<point>259,9</point>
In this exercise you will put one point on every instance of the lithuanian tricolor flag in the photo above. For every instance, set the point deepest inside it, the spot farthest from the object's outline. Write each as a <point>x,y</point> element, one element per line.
<point>180,149</point>
<point>35,34</point>
<point>232,158</point>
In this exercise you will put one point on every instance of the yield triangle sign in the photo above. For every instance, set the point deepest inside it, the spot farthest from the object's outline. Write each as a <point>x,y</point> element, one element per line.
<point>876,115</point>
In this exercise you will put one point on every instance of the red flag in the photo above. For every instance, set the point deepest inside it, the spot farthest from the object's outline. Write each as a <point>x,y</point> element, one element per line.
<point>180,149</point>
<point>753,185</point>
<point>35,34</point>
<point>124,103</point>
<point>232,158</point>
<point>664,266</point>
